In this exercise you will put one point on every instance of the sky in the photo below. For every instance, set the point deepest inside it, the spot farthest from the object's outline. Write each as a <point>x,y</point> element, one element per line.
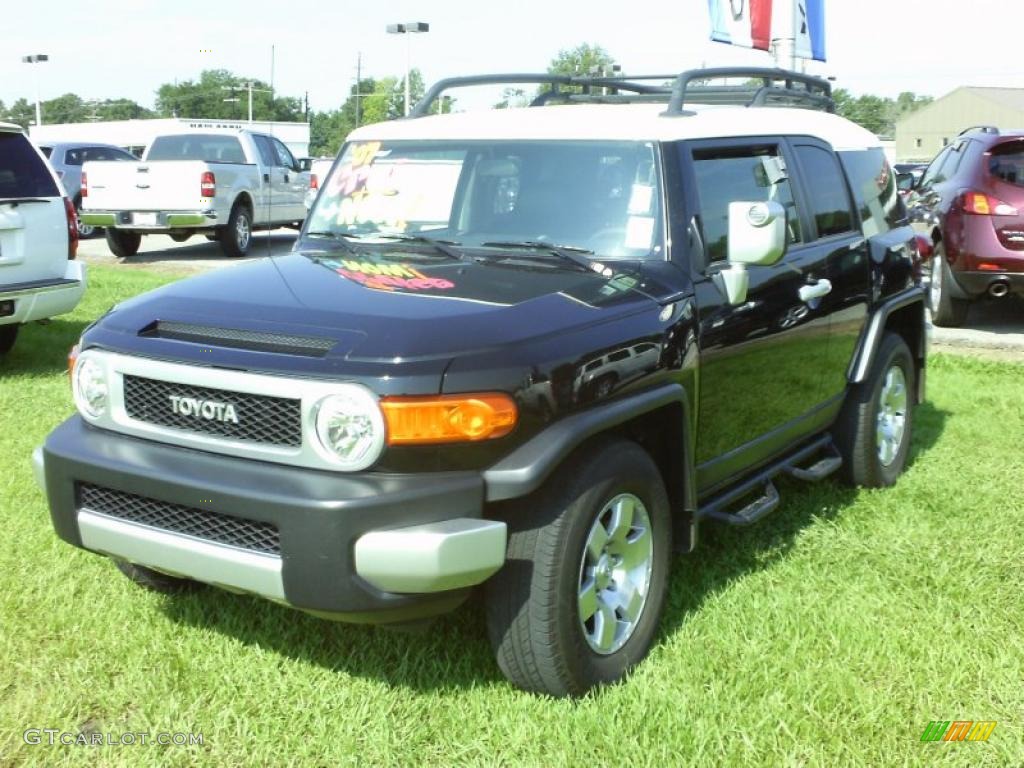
<point>112,49</point>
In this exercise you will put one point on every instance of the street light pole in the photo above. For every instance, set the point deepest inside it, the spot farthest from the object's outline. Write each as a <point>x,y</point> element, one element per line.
<point>407,29</point>
<point>37,58</point>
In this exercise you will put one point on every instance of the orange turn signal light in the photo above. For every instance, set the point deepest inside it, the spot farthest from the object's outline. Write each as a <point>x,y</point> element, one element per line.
<point>72,359</point>
<point>448,418</point>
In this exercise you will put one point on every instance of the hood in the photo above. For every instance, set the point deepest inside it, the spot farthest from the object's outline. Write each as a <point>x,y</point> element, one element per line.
<point>393,305</point>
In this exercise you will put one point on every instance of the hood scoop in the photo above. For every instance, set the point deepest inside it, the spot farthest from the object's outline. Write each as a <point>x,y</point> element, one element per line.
<point>257,341</point>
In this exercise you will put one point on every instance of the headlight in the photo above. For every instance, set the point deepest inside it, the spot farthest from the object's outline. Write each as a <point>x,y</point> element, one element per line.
<point>90,387</point>
<point>350,428</point>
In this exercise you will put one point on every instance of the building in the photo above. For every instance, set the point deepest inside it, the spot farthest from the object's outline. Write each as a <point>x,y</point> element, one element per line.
<point>921,134</point>
<point>135,135</point>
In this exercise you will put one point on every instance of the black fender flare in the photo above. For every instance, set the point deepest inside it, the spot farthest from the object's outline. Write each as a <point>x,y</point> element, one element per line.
<point>524,470</point>
<point>877,322</point>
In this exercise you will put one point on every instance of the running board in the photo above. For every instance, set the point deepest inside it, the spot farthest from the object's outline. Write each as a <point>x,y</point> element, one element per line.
<point>720,507</point>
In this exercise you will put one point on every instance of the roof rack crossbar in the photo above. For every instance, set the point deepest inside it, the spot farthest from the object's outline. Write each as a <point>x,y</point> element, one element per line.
<point>776,86</point>
<point>983,128</point>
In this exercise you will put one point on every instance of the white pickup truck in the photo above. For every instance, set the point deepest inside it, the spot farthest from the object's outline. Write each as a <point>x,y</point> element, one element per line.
<point>224,184</point>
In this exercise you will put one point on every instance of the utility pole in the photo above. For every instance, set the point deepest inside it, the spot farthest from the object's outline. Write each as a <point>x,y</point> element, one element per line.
<point>359,86</point>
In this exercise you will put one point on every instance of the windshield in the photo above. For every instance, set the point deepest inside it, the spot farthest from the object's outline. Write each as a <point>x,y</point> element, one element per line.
<point>599,196</point>
<point>211,148</point>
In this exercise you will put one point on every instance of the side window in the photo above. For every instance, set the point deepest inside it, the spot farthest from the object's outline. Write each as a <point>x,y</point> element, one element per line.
<point>284,156</point>
<point>932,171</point>
<point>829,200</point>
<point>732,174</point>
<point>266,150</point>
<point>73,157</point>
<point>953,160</point>
<point>874,188</point>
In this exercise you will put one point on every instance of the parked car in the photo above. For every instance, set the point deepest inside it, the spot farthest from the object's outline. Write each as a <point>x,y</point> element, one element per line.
<point>319,168</point>
<point>67,158</point>
<point>907,175</point>
<point>39,277</point>
<point>386,418</point>
<point>971,198</point>
<point>223,184</point>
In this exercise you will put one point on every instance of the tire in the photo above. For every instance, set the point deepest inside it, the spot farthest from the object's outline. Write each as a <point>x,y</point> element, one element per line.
<point>873,406</point>
<point>84,230</point>
<point>534,618</point>
<point>180,237</point>
<point>8,335</point>
<point>214,237</point>
<point>155,581</point>
<point>123,244</point>
<point>947,311</point>
<point>236,237</point>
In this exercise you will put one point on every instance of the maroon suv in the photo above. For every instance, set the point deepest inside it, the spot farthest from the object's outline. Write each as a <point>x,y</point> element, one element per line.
<point>972,197</point>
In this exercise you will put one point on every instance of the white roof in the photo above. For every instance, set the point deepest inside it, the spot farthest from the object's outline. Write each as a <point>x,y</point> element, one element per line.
<point>10,128</point>
<point>624,122</point>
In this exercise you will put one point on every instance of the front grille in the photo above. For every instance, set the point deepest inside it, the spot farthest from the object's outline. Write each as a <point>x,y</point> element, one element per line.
<point>199,523</point>
<point>259,341</point>
<point>260,419</point>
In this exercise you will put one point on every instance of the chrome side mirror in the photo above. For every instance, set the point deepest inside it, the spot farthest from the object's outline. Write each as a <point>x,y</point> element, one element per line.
<point>757,235</point>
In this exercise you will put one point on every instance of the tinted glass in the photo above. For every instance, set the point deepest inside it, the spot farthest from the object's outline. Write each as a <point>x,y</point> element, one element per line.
<point>1007,163</point>
<point>284,156</point>
<point>46,151</point>
<point>740,174</point>
<point>622,354</point>
<point>210,148</point>
<point>874,189</point>
<point>22,172</point>
<point>932,171</point>
<point>265,149</point>
<point>830,202</point>
<point>105,153</point>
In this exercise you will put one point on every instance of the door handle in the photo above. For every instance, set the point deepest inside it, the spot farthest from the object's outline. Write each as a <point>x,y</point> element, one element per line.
<point>286,178</point>
<point>266,177</point>
<point>815,290</point>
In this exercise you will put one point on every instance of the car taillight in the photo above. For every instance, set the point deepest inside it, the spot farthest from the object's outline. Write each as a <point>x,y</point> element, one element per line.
<point>985,205</point>
<point>208,185</point>
<point>925,248</point>
<point>72,218</point>
<point>314,182</point>
<point>85,185</point>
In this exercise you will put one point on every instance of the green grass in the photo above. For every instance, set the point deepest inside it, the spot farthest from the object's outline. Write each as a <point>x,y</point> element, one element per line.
<point>828,635</point>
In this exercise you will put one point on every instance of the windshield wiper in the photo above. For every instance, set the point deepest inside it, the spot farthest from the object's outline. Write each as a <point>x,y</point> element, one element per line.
<point>571,253</point>
<point>444,247</point>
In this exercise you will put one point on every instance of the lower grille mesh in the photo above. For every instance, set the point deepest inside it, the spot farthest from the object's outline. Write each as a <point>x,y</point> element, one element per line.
<point>201,523</point>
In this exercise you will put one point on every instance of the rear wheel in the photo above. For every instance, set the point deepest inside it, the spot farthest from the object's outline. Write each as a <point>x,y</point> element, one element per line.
<point>180,237</point>
<point>8,335</point>
<point>947,311</point>
<point>123,244</point>
<point>84,230</point>
<point>874,427</point>
<point>156,581</point>
<point>236,237</point>
<point>578,601</point>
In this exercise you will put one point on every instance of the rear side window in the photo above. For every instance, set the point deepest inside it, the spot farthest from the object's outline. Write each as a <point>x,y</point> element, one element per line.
<point>830,202</point>
<point>22,172</point>
<point>105,153</point>
<point>874,189</point>
<point>740,174</point>
<point>1007,163</point>
<point>210,148</point>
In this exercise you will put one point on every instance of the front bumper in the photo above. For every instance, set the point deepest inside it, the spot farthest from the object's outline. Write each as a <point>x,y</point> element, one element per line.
<point>45,298</point>
<point>161,221</point>
<point>360,547</point>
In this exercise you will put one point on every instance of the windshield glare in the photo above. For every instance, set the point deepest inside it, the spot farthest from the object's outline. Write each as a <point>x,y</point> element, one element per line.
<point>600,196</point>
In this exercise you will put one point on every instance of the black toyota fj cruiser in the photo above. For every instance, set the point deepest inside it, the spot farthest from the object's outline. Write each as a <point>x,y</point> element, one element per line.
<point>528,350</point>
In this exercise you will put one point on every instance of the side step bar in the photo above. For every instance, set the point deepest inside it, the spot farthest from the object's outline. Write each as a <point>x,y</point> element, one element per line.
<point>720,507</point>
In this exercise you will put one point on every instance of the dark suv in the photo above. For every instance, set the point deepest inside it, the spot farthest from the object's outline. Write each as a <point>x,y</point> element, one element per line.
<point>972,199</point>
<point>525,350</point>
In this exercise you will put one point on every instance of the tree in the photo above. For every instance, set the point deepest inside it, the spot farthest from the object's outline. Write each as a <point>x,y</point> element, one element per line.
<point>22,113</point>
<point>581,60</point>
<point>206,99</point>
<point>876,113</point>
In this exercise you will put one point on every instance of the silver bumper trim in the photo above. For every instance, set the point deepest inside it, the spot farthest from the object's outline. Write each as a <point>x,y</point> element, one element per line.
<point>177,555</point>
<point>432,558</point>
<point>39,467</point>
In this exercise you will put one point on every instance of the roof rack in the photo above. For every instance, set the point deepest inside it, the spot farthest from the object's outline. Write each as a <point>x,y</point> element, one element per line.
<point>980,128</point>
<point>765,87</point>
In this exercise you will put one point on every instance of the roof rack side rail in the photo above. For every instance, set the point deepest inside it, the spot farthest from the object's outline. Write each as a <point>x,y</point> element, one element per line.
<point>982,128</point>
<point>815,91</point>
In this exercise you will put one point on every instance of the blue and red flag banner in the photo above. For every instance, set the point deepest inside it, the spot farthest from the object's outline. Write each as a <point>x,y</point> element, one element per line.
<point>809,29</point>
<point>742,22</point>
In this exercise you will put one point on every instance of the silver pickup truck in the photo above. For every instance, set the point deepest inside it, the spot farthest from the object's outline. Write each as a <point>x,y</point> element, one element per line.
<point>223,184</point>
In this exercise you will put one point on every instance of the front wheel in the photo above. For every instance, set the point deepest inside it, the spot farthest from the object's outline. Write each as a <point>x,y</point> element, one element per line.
<point>947,311</point>
<point>237,235</point>
<point>578,601</point>
<point>8,335</point>
<point>874,427</point>
<point>123,244</point>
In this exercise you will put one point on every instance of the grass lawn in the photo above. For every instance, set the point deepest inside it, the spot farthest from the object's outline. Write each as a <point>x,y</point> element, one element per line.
<point>828,635</point>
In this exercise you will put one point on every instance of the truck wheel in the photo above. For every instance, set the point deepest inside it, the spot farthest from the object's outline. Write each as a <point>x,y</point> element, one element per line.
<point>578,600</point>
<point>84,230</point>
<point>180,237</point>
<point>947,311</point>
<point>8,335</point>
<point>874,427</point>
<point>156,581</point>
<point>123,244</point>
<point>237,235</point>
